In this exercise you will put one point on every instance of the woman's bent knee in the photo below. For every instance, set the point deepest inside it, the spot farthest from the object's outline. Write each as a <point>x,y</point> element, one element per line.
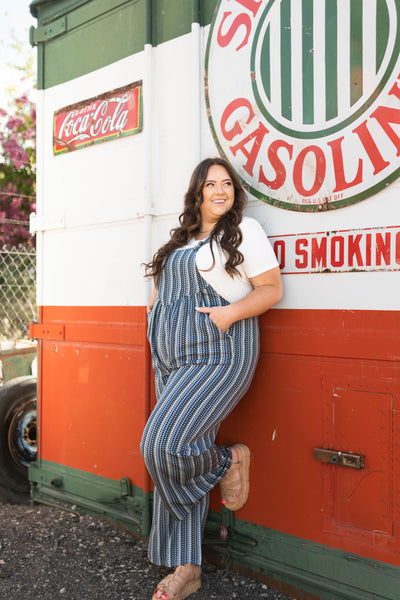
<point>155,455</point>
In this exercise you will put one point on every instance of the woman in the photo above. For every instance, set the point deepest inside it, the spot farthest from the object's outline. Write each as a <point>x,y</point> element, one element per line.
<point>212,279</point>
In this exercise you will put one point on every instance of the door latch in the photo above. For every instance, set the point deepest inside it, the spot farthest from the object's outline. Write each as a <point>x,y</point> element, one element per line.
<point>336,457</point>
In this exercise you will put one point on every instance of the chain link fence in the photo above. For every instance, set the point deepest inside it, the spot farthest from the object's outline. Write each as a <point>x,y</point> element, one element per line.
<point>17,291</point>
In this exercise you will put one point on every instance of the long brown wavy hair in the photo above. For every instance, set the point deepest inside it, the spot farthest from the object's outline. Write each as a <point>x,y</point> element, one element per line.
<point>226,230</point>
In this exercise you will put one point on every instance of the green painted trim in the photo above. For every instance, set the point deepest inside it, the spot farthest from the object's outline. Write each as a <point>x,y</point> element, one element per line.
<point>171,19</point>
<point>196,17</point>
<point>149,22</point>
<point>119,501</point>
<point>317,569</point>
<point>208,8</point>
<point>101,32</point>
<point>93,40</point>
<point>48,32</point>
<point>48,8</point>
<point>40,67</point>
<point>34,6</point>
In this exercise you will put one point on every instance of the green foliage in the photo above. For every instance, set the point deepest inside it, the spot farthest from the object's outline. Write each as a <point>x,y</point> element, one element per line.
<point>17,201</point>
<point>18,157</point>
<point>17,171</point>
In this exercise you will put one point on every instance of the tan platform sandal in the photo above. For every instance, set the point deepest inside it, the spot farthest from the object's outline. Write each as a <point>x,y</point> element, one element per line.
<point>185,580</point>
<point>235,484</point>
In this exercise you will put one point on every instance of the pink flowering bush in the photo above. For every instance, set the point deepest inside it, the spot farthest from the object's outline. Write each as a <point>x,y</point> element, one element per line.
<point>17,172</point>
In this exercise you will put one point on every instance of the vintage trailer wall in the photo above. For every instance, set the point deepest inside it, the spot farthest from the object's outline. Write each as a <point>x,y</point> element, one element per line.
<point>94,231</point>
<point>328,376</point>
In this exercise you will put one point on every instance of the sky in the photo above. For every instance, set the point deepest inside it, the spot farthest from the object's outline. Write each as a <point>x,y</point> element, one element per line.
<point>15,19</point>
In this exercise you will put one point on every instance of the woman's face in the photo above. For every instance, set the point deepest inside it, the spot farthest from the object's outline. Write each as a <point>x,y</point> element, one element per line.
<point>218,194</point>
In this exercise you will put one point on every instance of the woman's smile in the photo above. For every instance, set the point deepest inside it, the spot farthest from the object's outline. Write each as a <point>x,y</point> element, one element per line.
<point>218,195</point>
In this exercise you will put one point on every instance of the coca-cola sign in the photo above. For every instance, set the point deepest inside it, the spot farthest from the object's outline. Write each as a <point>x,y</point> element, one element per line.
<point>106,117</point>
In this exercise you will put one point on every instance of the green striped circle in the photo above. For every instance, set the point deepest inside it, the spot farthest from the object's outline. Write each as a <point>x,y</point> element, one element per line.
<point>261,73</point>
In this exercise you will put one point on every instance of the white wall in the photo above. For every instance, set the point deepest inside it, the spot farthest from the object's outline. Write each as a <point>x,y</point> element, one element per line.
<point>91,249</point>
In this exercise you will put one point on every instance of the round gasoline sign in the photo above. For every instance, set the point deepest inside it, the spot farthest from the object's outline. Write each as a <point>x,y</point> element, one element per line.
<point>303,97</point>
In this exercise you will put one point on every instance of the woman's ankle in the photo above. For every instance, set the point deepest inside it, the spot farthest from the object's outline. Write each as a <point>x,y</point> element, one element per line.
<point>235,455</point>
<point>190,567</point>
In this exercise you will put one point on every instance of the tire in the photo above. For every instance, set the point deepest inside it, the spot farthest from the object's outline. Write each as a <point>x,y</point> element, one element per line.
<point>18,437</point>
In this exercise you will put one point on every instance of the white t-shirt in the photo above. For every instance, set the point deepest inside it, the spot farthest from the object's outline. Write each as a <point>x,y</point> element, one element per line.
<point>258,258</point>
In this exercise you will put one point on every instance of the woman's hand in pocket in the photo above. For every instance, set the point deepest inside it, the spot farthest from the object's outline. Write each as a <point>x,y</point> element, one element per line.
<point>221,316</point>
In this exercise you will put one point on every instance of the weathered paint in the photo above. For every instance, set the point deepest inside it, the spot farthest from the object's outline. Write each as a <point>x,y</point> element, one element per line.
<point>16,362</point>
<point>273,118</point>
<point>121,501</point>
<point>98,372</point>
<point>101,362</point>
<point>272,554</point>
<point>277,557</point>
<point>112,115</point>
<point>340,251</point>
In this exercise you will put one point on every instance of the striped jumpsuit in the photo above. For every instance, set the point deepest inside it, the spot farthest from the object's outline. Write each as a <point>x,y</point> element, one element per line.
<point>201,373</point>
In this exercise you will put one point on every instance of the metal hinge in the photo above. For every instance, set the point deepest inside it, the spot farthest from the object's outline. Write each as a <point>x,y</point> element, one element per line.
<point>126,488</point>
<point>47,32</point>
<point>342,459</point>
<point>43,331</point>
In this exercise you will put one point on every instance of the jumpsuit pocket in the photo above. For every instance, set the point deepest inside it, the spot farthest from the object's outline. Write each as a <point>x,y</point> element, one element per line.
<point>210,344</point>
<point>209,298</point>
<point>218,332</point>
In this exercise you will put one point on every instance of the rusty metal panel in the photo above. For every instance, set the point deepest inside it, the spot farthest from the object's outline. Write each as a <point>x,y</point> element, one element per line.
<point>358,418</point>
<point>16,362</point>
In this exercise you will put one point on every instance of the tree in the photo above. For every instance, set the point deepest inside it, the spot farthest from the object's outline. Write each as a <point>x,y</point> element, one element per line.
<point>18,150</point>
<point>17,171</point>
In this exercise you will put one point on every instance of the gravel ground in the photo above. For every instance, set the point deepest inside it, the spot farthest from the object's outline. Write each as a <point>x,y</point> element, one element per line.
<point>47,553</point>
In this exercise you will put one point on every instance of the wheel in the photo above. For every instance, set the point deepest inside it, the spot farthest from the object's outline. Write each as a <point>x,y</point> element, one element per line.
<point>18,437</point>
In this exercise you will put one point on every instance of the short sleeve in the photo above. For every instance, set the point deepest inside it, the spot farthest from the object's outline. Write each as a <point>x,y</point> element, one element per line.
<point>256,249</point>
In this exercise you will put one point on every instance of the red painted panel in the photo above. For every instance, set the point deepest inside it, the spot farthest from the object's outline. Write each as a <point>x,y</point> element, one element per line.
<point>359,419</point>
<point>366,334</point>
<point>94,397</point>
<point>283,418</point>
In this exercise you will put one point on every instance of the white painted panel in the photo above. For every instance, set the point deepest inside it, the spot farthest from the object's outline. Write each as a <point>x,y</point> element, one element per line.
<point>103,182</point>
<point>346,291</point>
<point>175,152</point>
<point>98,266</point>
<point>100,192</point>
<point>354,291</point>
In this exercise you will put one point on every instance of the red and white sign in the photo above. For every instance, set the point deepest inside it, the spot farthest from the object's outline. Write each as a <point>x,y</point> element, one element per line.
<point>112,115</point>
<point>373,249</point>
<point>309,113</point>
